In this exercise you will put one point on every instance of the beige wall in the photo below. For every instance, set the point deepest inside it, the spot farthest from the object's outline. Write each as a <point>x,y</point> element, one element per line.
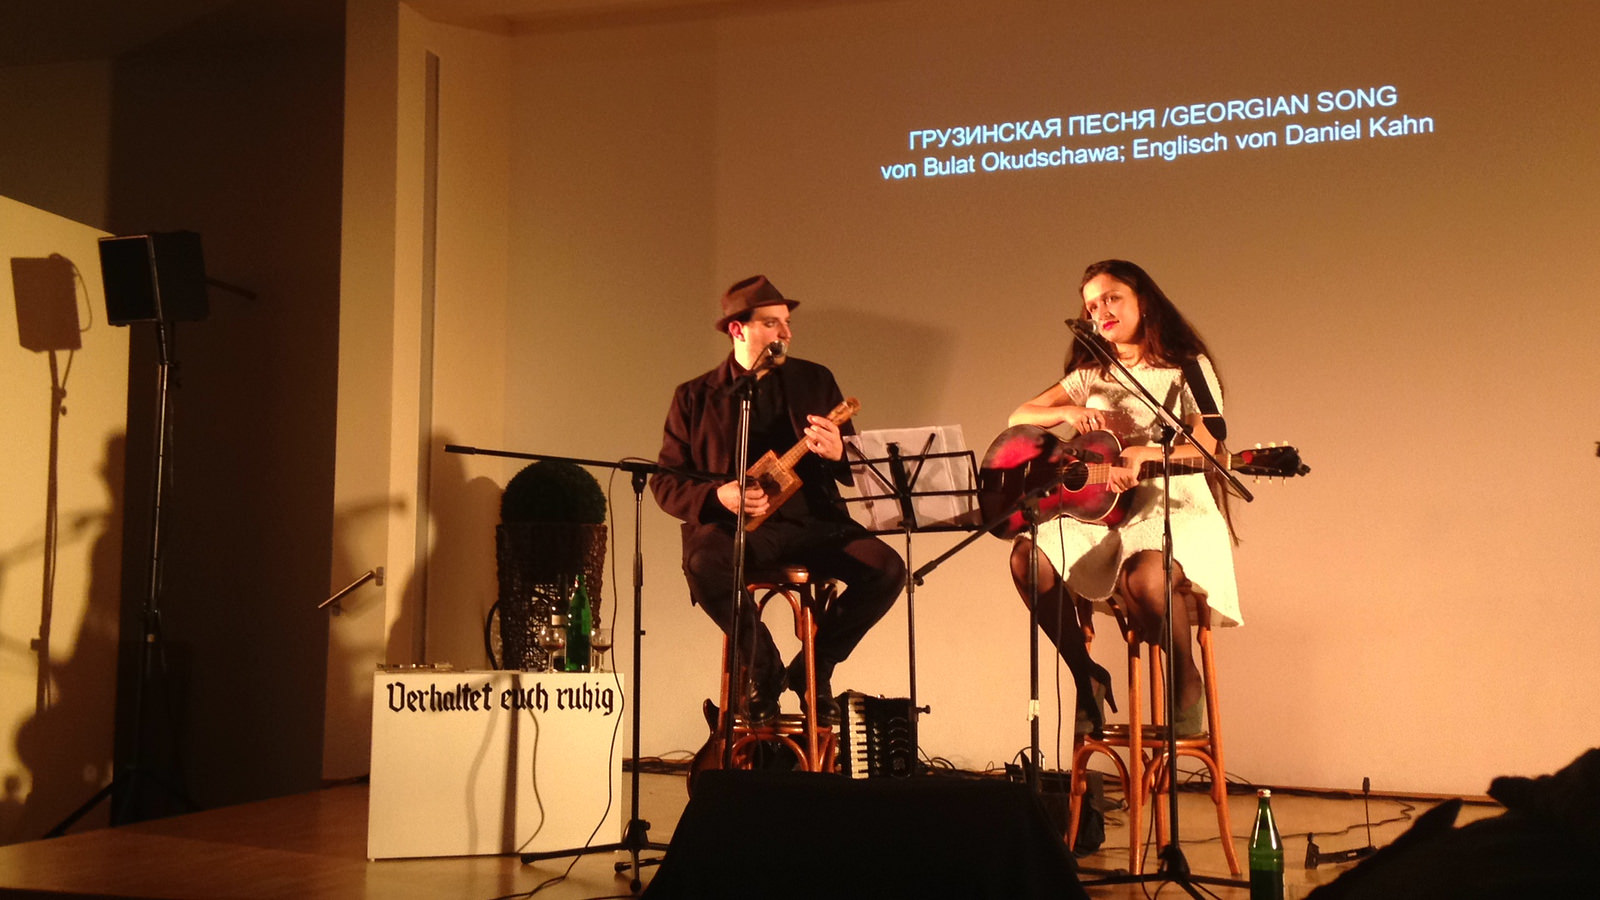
<point>1401,624</point>
<point>470,348</point>
<point>363,499</point>
<point>60,569</point>
<point>431,369</point>
<point>1355,297</point>
<point>600,185</point>
<point>613,281</point>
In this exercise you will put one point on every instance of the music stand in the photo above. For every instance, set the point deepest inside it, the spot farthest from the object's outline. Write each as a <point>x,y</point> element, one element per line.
<point>940,507</point>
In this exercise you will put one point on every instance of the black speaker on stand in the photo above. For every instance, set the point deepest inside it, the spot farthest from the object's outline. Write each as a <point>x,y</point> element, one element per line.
<point>157,278</point>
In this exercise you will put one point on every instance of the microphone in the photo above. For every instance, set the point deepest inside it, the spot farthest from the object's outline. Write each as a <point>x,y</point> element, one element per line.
<point>777,351</point>
<point>1082,327</point>
<point>1315,855</point>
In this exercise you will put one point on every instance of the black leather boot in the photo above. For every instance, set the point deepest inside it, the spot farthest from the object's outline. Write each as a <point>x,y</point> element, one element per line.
<point>828,712</point>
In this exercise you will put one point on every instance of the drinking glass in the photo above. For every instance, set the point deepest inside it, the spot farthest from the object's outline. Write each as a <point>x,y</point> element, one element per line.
<point>551,638</point>
<point>600,643</point>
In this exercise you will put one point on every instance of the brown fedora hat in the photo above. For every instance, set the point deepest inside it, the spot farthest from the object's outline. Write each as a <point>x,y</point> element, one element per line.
<point>753,292</point>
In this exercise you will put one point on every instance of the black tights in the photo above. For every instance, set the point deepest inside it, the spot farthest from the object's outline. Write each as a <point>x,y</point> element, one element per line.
<point>1143,584</point>
<point>1058,619</point>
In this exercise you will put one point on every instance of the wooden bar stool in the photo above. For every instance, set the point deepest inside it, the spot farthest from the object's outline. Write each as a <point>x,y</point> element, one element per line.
<point>1147,773</point>
<point>806,601</point>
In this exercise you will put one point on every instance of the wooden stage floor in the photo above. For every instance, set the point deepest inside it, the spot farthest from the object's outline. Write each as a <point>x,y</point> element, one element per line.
<point>314,846</point>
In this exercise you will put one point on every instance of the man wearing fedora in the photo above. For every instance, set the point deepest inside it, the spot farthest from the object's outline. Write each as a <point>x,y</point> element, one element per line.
<point>790,402</point>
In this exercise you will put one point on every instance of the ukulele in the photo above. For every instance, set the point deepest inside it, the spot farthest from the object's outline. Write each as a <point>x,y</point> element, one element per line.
<point>1074,474</point>
<point>776,474</point>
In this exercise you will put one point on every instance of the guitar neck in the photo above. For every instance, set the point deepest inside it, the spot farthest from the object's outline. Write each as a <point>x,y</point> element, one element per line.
<point>840,415</point>
<point>789,459</point>
<point>1100,473</point>
<point>1152,469</point>
<point>1276,461</point>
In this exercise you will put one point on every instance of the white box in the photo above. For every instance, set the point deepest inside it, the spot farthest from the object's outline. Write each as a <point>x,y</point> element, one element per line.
<point>491,762</point>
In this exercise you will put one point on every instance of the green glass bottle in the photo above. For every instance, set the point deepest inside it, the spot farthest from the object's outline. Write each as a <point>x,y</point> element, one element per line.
<point>1266,852</point>
<point>580,619</point>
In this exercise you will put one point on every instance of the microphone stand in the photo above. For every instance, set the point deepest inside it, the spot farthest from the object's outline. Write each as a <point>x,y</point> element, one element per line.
<point>636,837</point>
<point>1028,503</point>
<point>1174,867</point>
<point>744,389</point>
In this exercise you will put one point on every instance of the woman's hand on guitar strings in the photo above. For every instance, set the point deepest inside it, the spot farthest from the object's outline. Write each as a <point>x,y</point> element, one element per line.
<point>1084,419</point>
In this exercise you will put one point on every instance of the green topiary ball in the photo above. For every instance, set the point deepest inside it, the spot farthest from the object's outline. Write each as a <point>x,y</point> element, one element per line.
<point>551,491</point>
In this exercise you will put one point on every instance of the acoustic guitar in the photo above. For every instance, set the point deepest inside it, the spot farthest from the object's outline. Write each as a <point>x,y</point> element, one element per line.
<point>1072,475</point>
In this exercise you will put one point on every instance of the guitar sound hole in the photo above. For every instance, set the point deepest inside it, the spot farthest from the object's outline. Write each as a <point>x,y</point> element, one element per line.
<point>1075,476</point>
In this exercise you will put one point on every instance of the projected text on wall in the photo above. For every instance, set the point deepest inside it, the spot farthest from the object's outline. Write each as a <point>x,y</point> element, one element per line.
<point>1165,134</point>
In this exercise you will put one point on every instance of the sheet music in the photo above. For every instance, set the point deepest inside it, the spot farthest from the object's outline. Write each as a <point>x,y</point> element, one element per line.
<point>944,473</point>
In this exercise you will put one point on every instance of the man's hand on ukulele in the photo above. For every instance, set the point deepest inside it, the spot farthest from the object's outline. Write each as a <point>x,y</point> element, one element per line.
<point>755,499</point>
<point>823,439</point>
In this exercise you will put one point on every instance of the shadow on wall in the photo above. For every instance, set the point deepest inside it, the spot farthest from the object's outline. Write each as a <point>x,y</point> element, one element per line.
<point>451,591</point>
<point>448,593</point>
<point>355,638</point>
<point>466,567</point>
<point>896,366</point>
<point>67,745</point>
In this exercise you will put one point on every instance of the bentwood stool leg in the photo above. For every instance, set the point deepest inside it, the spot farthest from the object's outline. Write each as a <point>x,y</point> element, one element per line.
<point>1129,737</point>
<point>1148,773</point>
<point>806,601</point>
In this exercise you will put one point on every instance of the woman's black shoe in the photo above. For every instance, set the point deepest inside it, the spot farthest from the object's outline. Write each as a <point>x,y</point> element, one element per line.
<point>1092,692</point>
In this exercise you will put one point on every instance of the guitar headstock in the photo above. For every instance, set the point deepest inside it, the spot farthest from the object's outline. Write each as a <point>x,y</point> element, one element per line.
<point>1279,461</point>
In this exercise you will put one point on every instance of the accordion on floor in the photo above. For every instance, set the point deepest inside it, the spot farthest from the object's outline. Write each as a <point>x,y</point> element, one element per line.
<point>875,737</point>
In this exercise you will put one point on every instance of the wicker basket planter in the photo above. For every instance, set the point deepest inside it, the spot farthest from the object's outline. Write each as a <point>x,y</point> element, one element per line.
<point>537,563</point>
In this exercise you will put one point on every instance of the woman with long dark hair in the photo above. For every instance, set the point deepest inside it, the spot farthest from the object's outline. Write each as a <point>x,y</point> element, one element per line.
<point>1153,340</point>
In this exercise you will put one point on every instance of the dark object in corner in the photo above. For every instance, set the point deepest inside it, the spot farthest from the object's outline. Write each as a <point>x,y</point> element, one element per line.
<point>1541,846</point>
<point>803,835</point>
